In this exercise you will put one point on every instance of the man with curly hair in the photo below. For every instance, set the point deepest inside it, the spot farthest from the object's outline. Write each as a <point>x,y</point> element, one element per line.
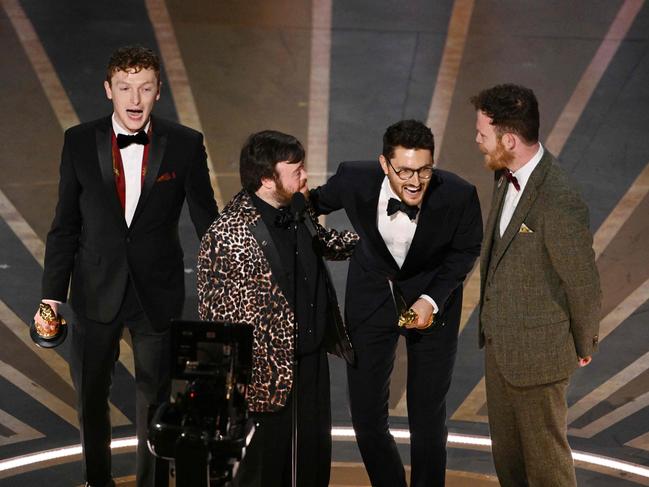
<point>114,240</point>
<point>540,294</point>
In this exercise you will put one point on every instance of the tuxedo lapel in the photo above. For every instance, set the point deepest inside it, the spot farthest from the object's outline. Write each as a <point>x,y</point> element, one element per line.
<point>367,212</point>
<point>530,193</point>
<point>432,211</point>
<point>156,153</point>
<point>103,134</point>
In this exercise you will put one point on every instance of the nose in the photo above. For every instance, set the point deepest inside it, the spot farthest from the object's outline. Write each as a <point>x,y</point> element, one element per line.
<point>135,97</point>
<point>477,138</point>
<point>415,177</point>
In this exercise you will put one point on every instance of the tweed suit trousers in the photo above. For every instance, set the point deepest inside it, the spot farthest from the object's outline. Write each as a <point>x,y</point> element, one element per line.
<point>528,431</point>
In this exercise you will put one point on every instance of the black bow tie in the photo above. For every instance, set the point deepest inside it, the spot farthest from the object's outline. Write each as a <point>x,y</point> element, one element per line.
<point>125,140</point>
<point>512,179</point>
<point>283,219</point>
<point>395,205</point>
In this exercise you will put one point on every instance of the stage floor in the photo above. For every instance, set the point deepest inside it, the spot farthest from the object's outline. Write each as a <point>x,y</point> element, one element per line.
<point>335,73</point>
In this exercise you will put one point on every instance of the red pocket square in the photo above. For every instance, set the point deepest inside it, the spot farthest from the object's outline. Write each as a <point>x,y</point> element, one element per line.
<point>168,176</point>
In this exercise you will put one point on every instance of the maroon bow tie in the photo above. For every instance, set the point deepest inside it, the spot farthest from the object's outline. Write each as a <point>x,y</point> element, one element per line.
<point>512,179</point>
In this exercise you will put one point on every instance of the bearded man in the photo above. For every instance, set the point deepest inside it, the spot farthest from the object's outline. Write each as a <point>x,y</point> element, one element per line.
<point>420,230</point>
<point>540,295</point>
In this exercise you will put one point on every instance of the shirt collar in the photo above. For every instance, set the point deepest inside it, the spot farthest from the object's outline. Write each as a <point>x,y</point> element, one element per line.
<point>117,128</point>
<point>523,174</point>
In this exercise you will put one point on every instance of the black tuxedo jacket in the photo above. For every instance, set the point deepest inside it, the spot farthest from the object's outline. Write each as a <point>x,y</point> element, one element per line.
<point>443,250</point>
<point>90,244</point>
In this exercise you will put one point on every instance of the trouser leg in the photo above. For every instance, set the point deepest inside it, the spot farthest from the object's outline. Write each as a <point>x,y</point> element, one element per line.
<point>431,358</point>
<point>369,390</point>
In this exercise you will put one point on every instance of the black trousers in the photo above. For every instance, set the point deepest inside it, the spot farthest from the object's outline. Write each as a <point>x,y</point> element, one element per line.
<point>431,358</point>
<point>94,351</point>
<point>268,458</point>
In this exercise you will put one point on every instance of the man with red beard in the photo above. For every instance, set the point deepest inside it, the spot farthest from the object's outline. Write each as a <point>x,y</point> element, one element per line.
<point>420,230</point>
<point>540,295</point>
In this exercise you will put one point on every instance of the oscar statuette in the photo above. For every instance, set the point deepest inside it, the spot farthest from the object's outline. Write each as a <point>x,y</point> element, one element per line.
<point>45,338</point>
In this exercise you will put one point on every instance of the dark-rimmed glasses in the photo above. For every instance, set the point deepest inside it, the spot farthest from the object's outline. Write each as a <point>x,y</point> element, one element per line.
<point>404,174</point>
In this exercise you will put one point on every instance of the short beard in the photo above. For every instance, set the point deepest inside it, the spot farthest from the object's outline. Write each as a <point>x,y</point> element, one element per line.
<point>498,159</point>
<point>282,196</point>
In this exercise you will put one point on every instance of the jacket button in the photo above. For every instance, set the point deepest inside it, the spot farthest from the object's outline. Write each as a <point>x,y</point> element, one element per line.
<point>128,239</point>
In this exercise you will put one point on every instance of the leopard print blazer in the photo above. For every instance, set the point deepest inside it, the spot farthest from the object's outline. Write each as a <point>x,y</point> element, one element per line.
<point>235,284</point>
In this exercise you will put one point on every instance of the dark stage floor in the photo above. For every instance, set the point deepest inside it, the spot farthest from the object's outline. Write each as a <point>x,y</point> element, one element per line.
<point>335,73</point>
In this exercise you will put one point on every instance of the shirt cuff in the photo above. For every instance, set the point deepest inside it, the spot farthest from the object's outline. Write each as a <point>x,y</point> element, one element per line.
<point>431,301</point>
<point>50,301</point>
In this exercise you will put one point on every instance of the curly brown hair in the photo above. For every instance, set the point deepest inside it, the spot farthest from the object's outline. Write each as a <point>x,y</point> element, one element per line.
<point>132,58</point>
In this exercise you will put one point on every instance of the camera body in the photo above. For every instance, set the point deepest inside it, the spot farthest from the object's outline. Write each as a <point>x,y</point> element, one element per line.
<point>205,429</point>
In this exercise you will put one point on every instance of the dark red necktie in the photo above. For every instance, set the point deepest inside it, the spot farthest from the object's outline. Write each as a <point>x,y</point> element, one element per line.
<point>512,179</point>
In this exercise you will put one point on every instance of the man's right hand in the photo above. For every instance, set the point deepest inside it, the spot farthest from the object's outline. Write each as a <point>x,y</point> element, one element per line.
<point>41,322</point>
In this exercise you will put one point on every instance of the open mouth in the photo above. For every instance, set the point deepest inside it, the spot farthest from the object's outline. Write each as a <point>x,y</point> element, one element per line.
<point>134,113</point>
<point>412,190</point>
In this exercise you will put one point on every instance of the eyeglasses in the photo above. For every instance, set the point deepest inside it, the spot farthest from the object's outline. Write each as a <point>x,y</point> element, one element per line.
<point>404,174</point>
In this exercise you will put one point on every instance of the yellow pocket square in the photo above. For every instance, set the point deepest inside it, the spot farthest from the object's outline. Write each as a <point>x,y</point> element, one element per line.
<point>525,229</point>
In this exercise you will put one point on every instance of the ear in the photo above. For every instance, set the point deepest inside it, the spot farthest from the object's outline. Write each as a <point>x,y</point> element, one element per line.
<point>384,164</point>
<point>157,97</point>
<point>509,140</point>
<point>268,183</point>
<point>109,91</point>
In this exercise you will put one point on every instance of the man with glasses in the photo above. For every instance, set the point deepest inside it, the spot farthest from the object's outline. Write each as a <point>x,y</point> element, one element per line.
<point>420,230</point>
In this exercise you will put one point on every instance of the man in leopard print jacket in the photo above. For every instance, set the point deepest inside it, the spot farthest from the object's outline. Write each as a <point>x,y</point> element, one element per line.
<point>246,272</point>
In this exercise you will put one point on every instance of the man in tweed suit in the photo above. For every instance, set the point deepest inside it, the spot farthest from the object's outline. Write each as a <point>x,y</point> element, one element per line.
<point>540,294</point>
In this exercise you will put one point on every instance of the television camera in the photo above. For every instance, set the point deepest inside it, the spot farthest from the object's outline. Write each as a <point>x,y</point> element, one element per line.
<point>205,429</point>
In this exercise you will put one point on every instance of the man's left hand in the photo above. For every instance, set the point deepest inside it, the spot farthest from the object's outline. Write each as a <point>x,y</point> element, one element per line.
<point>424,312</point>
<point>583,362</point>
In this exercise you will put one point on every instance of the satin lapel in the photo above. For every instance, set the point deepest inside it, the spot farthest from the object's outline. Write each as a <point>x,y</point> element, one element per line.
<point>530,193</point>
<point>156,152</point>
<point>262,235</point>
<point>368,218</point>
<point>105,157</point>
<point>425,224</point>
<point>500,189</point>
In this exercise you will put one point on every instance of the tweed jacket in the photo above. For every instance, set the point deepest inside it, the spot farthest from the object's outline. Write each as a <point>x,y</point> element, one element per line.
<point>540,293</point>
<point>240,280</point>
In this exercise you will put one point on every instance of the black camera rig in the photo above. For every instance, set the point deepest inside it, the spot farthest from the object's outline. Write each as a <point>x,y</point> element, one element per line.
<point>205,429</point>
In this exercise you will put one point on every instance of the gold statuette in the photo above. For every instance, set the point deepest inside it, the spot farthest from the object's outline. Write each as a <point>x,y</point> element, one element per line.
<point>408,317</point>
<point>48,338</point>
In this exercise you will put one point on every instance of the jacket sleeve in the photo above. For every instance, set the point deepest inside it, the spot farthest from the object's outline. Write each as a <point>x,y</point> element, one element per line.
<point>329,197</point>
<point>63,238</point>
<point>335,244</point>
<point>569,243</point>
<point>217,289</point>
<point>198,190</point>
<point>461,255</point>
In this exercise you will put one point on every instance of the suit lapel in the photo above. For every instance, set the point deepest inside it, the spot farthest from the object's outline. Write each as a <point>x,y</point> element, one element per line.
<point>367,212</point>
<point>530,193</point>
<point>428,216</point>
<point>103,134</point>
<point>500,188</point>
<point>156,153</point>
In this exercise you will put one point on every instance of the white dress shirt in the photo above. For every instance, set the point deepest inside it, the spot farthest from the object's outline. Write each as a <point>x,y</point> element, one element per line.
<point>397,230</point>
<point>513,196</point>
<point>132,162</point>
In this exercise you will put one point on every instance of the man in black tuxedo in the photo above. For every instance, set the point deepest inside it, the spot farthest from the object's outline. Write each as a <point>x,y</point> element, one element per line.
<point>420,230</point>
<point>114,239</point>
